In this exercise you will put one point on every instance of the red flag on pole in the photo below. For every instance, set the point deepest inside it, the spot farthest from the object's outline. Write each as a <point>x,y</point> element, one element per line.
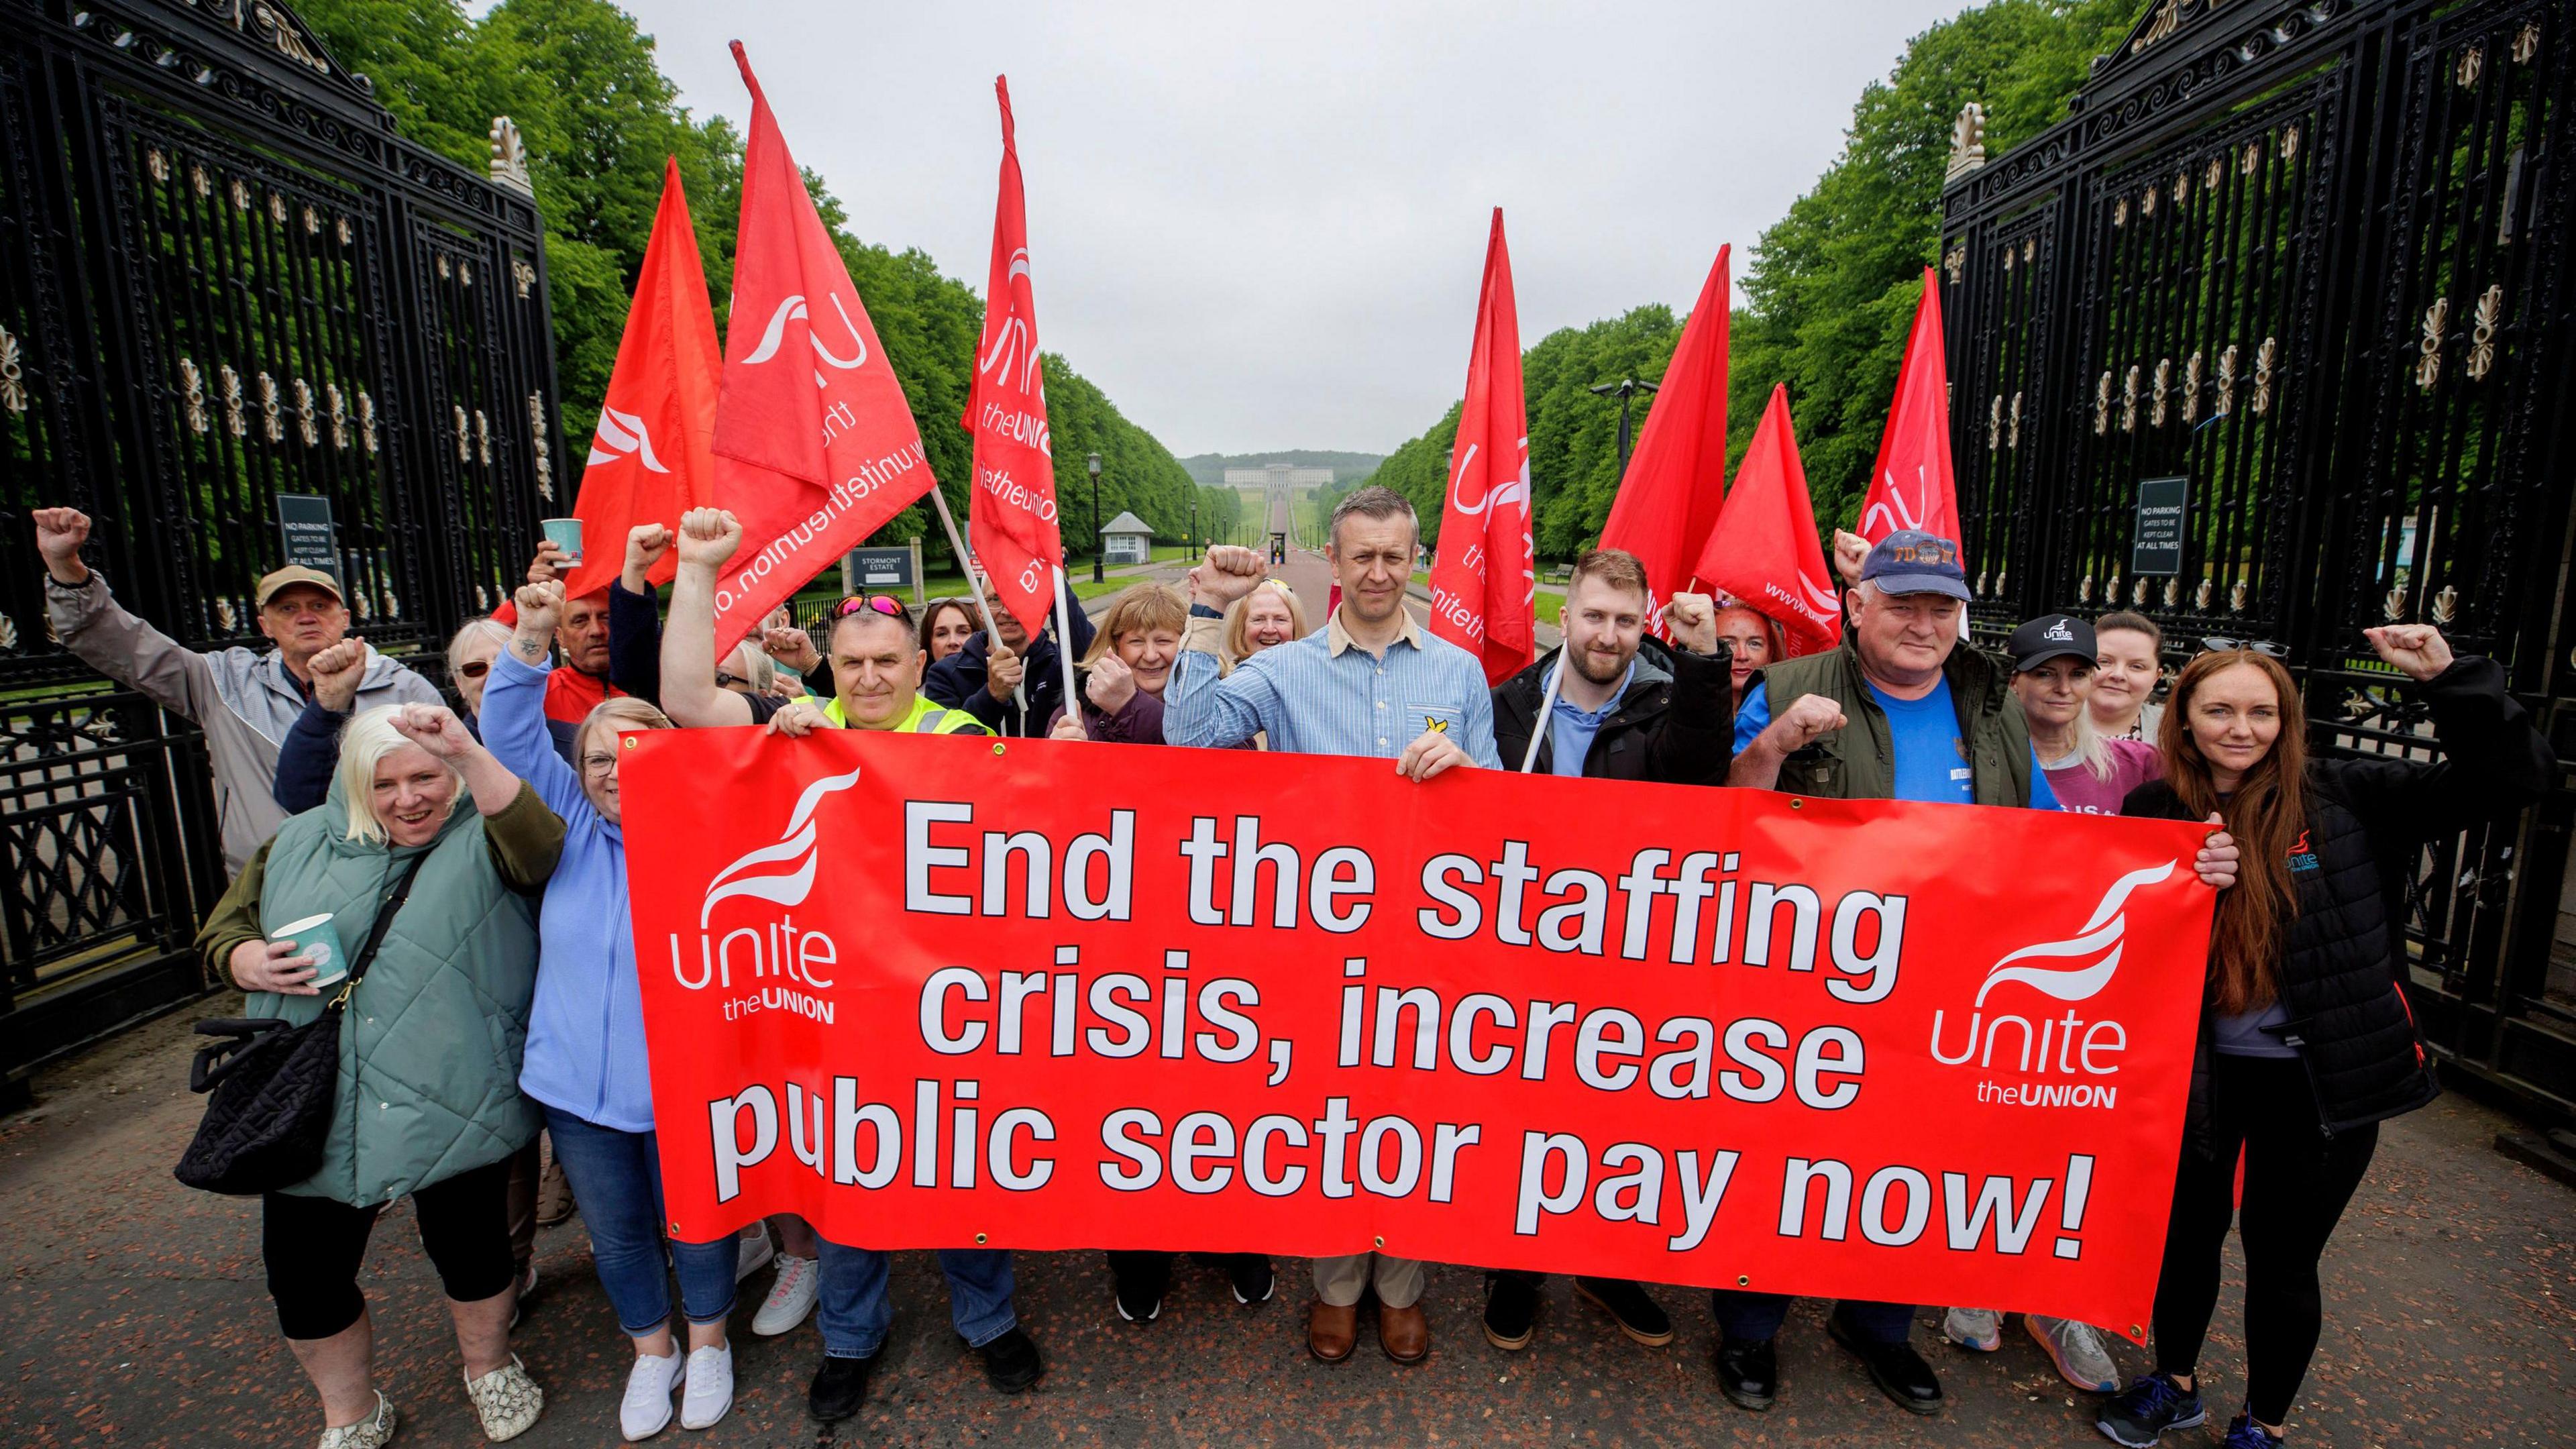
<point>1012,519</point>
<point>1764,552</point>
<point>1911,484</point>
<point>648,460</point>
<point>1484,583</point>
<point>815,445</point>
<point>1676,481</point>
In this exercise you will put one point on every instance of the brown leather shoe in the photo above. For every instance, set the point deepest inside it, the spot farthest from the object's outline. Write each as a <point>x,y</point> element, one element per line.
<point>1405,1333</point>
<point>554,1195</point>
<point>1332,1332</point>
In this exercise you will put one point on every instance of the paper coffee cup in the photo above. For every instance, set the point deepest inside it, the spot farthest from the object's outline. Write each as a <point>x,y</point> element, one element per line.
<point>317,938</point>
<point>565,534</point>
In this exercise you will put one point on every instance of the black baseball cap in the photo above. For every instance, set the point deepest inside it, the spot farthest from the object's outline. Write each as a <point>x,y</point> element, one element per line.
<point>1913,562</point>
<point>2049,636</point>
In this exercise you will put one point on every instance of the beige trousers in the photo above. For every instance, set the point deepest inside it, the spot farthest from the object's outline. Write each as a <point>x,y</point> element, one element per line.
<point>1340,1281</point>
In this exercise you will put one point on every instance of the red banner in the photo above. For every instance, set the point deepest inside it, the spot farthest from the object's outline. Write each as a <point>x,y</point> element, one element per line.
<point>941,991</point>
<point>814,441</point>
<point>1484,581</point>
<point>1910,486</point>
<point>1012,523</point>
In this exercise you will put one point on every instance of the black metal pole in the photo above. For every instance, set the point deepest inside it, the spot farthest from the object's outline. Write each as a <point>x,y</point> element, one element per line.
<point>1624,389</point>
<point>1099,545</point>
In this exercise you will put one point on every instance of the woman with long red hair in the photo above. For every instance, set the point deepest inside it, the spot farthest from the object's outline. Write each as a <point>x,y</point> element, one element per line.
<point>2306,1041</point>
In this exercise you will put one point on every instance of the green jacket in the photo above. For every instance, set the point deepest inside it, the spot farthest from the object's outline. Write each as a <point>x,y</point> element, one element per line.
<point>1857,762</point>
<point>430,1043</point>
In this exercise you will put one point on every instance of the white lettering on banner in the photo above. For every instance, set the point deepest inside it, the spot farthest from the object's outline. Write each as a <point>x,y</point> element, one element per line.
<point>1005,489</point>
<point>782,551</point>
<point>1013,426</point>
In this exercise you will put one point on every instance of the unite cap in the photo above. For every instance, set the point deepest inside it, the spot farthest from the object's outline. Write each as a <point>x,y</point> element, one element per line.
<point>2051,636</point>
<point>270,583</point>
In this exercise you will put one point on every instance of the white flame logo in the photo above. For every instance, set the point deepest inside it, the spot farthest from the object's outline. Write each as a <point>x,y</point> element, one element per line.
<point>787,885</point>
<point>620,435</point>
<point>1514,491</point>
<point>1012,351</point>
<point>1893,509</point>
<point>794,306</point>
<point>2101,933</point>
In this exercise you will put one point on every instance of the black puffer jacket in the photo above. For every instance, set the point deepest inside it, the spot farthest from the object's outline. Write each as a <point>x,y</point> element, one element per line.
<point>2368,819</point>
<point>1675,725</point>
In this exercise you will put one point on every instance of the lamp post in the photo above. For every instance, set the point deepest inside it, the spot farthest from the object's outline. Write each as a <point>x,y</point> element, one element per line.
<point>1624,389</point>
<point>1096,545</point>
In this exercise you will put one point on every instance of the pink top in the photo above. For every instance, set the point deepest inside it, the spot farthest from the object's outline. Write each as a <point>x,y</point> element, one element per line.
<point>2133,763</point>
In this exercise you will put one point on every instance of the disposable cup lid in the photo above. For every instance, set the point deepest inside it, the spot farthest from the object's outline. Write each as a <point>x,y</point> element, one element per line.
<point>308,923</point>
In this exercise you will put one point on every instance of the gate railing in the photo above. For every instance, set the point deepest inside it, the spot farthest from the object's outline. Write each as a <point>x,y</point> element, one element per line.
<point>224,278</point>
<point>2309,257</point>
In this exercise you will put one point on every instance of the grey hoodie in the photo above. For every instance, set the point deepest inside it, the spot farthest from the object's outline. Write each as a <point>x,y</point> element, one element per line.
<point>244,701</point>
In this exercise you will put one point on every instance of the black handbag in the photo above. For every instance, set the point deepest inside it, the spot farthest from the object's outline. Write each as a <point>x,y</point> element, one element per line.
<point>273,1084</point>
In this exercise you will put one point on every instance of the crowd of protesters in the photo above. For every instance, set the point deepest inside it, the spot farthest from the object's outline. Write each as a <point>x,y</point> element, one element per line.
<point>342,779</point>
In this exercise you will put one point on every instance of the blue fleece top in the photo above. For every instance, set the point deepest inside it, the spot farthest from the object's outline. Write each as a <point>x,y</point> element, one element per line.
<point>586,1051</point>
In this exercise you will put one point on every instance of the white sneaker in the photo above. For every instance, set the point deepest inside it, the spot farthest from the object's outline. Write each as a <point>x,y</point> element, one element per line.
<point>752,1252</point>
<point>649,1386</point>
<point>506,1400</point>
<point>791,1296</point>
<point>371,1432</point>
<point>2076,1349</point>
<point>1981,1329</point>
<point>710,1391</point>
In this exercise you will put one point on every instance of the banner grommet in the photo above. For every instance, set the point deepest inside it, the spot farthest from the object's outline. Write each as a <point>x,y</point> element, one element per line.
<point>1381,1242</point>
<point>997,747</point>
<point>1743,1280</point>
<point>1797,804</point>
<point>979,1240</point>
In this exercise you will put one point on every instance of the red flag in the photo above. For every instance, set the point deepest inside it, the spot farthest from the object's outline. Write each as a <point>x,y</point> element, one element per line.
<point>815,445</point>
<point>1911,485</point>
<point>648,460</point>
<point>1676,480</point>
<point>1764,552</point>
<point>1011,522</point>
<point>1484,583</point>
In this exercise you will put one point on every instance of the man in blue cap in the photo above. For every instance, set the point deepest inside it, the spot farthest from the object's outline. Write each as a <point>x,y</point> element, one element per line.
<point>1899,712</point>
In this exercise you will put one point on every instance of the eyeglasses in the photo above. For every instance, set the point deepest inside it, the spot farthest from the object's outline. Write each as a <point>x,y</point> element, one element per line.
<point>475,668</point>
<point>596,763</point>
<point>2216,645</point>
<point>726,680</point>
<point>886,604</point>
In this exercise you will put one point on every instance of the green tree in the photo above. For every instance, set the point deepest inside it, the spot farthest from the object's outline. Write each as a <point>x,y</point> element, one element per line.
<point>1831,287</point>
<point>599,119</point>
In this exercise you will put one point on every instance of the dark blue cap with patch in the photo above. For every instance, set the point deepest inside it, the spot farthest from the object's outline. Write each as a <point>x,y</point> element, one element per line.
<point>1913,562</point>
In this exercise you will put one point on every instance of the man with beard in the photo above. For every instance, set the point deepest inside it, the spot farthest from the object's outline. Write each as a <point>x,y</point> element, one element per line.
<point>1628,709</point>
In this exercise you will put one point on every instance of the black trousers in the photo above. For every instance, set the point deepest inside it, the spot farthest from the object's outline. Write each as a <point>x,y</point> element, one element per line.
<point>313,1246</point>
<point>1148,1271</point>
<point>2297,1181</point>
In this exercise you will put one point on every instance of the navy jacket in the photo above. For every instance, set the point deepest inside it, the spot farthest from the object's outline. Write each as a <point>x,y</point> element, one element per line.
<point>957,682</point>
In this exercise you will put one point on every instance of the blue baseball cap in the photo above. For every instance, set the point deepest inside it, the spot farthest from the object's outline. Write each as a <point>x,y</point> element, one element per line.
<point>1912,562</point>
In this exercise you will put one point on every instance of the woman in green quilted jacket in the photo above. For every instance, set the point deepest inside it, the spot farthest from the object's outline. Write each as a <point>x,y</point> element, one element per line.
<point>428,1104</point>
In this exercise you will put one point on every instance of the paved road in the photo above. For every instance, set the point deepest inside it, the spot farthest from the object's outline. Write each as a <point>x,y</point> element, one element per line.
<point>135,1316</point>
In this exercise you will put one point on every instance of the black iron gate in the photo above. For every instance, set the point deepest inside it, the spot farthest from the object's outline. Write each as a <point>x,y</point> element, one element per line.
<point>2310,258</point>
<point>223,278</point>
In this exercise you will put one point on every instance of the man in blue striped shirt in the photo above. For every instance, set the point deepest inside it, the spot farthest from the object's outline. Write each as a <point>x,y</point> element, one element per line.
<point>1370,682</point>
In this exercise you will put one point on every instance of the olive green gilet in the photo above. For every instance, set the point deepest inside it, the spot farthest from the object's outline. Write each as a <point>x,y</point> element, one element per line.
<point>1858,761</point>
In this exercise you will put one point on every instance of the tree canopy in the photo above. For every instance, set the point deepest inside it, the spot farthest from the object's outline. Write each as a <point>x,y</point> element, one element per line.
<point>599,117</point>
<point>1831,288</point>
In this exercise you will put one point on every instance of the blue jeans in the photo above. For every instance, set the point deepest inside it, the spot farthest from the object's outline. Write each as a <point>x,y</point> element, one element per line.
<point>617,1178</point>
<point>854,1310</point>
<point>1752,1317</point>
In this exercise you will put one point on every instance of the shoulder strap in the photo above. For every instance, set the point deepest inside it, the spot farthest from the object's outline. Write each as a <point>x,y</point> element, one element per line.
<point>384,922</point>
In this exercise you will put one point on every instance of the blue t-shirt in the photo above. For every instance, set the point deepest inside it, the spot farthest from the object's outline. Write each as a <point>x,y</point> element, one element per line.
<point>1931,763</point>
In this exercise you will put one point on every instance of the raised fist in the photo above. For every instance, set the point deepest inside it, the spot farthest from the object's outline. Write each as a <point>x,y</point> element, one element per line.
<point>336,672</point>
<point>708,537</point>
<point>435,728</point>
<point>60,532</point>
<point>2418,650</point>
<point>540,605</point>
<point>1808,719</point>
<point>1229,572</point>
<point>1693,621</point>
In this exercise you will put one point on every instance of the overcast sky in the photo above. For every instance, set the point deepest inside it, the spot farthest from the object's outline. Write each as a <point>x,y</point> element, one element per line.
<point>1261,227</point>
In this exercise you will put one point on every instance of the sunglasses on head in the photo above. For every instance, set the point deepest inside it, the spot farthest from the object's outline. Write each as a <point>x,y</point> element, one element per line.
<point>2265,647</point>
<point>886,604</point>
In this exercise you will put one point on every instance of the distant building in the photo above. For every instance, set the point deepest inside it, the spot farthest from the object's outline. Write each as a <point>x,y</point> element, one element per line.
<point>1279,484</point>
<point>1127,540</point>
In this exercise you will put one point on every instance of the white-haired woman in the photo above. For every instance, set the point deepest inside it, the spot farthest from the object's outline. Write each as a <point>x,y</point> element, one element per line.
<point>429,1047</point>
<point>586,1062</point>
